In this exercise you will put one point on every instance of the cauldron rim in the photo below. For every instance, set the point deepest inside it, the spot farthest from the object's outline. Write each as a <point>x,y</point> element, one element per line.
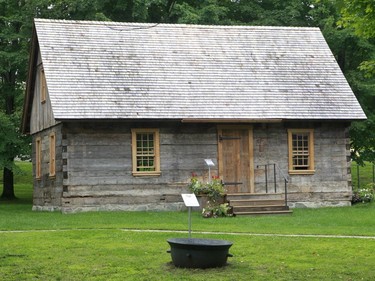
<point>199,242</point>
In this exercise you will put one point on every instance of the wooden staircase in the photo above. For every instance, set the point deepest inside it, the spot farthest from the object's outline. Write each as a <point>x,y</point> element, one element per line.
<point>258,204</point>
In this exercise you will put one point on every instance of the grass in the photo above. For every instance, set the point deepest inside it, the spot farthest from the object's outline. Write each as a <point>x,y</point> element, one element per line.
<point>328,221</point>
<point>113,254</point>
<point>94,246</point>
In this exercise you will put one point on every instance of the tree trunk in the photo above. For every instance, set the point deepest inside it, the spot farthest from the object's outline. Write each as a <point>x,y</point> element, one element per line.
<point>8,180</point>
<point>8,185</point>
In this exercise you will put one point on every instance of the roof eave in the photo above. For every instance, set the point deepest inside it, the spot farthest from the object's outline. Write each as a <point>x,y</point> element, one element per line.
<point>209,120</point>
<point>30,84</point>
<point>230,120</point>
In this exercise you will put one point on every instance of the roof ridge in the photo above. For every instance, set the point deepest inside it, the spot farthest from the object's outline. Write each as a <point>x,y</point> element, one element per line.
<point>181,25</point>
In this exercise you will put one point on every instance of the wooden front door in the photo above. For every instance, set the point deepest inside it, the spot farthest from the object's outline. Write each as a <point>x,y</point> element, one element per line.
<point>235,145</point>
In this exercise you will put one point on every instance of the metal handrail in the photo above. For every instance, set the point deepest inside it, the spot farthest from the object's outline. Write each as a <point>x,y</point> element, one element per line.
<point>286,179</point>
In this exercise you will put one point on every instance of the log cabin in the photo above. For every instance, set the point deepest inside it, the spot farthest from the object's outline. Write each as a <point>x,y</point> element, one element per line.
<point>121,115</point>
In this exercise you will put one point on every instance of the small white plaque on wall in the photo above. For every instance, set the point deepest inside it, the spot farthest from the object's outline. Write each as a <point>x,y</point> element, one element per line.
<point>209,162</point>
<point>190,200</point>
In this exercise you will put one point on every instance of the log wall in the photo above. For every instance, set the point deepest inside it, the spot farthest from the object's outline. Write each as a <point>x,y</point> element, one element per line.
<point>98,166</point>
<point>48,190</point>
<point>94,165</point>
<point>330,185</point>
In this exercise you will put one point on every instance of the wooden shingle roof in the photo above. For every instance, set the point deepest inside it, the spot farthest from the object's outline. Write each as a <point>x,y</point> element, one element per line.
<point>108,70</point>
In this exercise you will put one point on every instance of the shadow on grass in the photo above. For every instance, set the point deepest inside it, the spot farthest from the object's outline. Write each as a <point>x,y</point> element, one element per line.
<point>17,201</point>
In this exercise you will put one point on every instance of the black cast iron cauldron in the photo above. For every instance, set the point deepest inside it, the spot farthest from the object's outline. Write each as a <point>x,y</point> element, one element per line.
<point>199,253</point>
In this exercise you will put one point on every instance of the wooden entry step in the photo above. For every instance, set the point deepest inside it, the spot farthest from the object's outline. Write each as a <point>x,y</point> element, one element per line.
<point>254,213</point>
<point>255,196</point>
<point>258,204</point>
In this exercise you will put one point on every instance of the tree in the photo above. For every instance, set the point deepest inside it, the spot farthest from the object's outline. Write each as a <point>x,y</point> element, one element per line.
<point>15,32</point>
<point>359,15</point>
<point>267,12</point>
<point>13,58</point>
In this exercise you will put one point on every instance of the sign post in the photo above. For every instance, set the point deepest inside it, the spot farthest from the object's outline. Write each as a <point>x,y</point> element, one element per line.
<point>210,164</point>
<point>190,200</point>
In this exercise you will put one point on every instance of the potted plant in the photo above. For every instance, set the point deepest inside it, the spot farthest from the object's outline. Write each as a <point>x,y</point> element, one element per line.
<point>211,196</point>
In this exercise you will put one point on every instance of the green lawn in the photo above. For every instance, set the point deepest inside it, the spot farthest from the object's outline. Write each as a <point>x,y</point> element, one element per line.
<point>99,245</point>
<point>94,246</point>
<point>113,254</point>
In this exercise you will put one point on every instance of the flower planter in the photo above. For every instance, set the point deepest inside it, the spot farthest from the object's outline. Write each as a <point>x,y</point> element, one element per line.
<point>204,198</point>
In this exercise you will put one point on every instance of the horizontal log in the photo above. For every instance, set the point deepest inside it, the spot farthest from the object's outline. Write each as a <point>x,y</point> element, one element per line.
<point>117,199</point>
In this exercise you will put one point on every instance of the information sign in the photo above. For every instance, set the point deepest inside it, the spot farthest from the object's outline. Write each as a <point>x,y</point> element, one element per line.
<point>190,200</point>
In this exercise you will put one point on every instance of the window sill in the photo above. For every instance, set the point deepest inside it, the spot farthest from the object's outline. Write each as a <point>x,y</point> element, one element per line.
<point>301,172</point>
<point>145,174</point>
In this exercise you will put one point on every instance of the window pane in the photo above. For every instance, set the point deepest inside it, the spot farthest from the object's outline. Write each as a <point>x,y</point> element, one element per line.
<point>300,151</point>
<point>145,152</point>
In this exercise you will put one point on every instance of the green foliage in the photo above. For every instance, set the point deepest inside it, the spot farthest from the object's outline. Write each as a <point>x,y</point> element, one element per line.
<point>271,12</point>
<point>12,143</point>
<point>351,53</point>
<point>200,12</point>
<point>62,9</point>
<point>363,140</point>
<point>13,61</point>
<point>363,187</point>
<point>362,174</point>
<point>364,195</point>
<point>213,210</point>
<point>368,67</point>
<point>360,15</point>
<point>214,188</point>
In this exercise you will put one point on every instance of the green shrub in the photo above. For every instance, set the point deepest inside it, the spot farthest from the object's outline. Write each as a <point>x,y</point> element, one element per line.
<point>216,210</point>
<point>364,195</point>
<point>215,192</point>
<point>213,189</point>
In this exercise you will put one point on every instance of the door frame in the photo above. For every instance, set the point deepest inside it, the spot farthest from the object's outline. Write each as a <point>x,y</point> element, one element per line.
<point>249,129</point>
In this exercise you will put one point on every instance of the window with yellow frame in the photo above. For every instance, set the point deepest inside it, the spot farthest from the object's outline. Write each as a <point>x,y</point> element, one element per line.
<point>52,154</point>
<point>43,86</point>
<point>38,158</point>
<point>301,151</point>
<point>145,152</point>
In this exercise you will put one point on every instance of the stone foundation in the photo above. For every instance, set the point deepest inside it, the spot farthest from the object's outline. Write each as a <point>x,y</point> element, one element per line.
<point>319,204</point>
<point>130,208</point>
